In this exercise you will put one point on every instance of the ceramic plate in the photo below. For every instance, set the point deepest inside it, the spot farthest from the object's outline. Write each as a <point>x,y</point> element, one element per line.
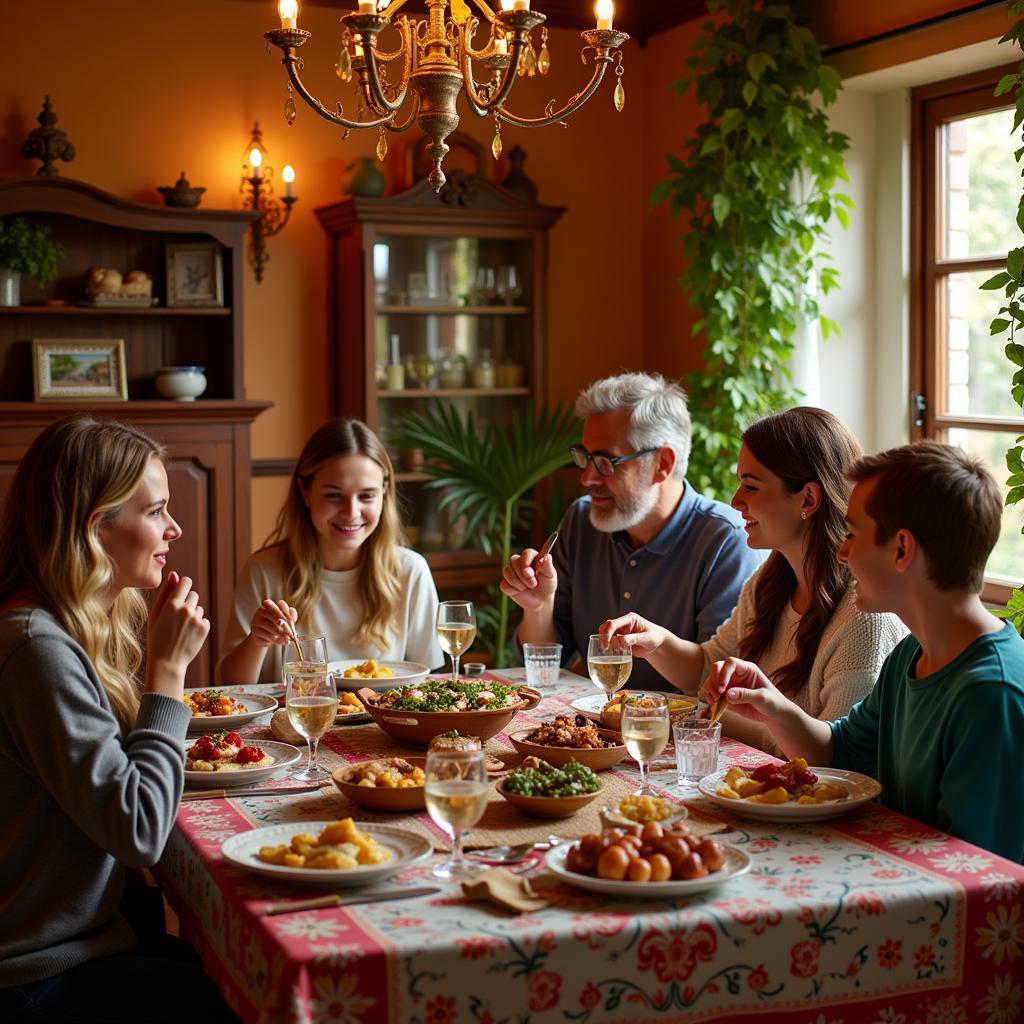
<point>407,848</point>
<point>736,863</point>
<point>405,673</point>
<point>256,704</point>
<point>284,755</point>
<point>614,818</point>
<point>863,789</point>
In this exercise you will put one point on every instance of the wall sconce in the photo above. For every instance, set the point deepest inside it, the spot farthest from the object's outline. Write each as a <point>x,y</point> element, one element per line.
<point>258,194</point>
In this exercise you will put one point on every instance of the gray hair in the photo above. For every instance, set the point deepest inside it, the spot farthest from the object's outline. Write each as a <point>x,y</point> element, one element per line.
<point>658,416</point>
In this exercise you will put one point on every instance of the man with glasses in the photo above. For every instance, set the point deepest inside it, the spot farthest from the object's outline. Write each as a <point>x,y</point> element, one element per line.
<point>641,539</point>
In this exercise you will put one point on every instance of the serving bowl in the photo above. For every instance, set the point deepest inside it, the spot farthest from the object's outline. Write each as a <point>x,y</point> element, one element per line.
<point>547,806</point>
<point>678,707</point>
<point>380,798</point>
<point>597,758</point>
<point>418,728</point>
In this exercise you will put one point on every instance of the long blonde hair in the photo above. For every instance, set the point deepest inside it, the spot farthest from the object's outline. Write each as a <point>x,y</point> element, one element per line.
<point>78,473</point>
<point>379,577</point>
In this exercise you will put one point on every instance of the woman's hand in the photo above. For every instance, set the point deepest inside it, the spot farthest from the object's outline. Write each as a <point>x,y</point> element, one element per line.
<point>272,624</point>
<point>530,583</point>
<point>175,634</point>
<point>748,691</point>
<point>643,637</point>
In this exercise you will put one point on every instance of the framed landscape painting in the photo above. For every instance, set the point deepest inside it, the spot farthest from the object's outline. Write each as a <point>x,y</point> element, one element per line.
<point>66,370</point>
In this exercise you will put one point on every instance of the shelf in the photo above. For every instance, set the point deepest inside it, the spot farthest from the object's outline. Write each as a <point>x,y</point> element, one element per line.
<point>72,310</point>
<point>455,310</point>
<point>408,477</point>
<point>455,393</point>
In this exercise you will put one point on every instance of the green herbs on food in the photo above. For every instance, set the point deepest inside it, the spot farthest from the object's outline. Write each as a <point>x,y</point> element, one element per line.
<point>446,695</point>
<point>574,779</point>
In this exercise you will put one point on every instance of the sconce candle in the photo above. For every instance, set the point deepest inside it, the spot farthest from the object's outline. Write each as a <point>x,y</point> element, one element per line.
<point>289,176</point>
<point>289,11</point>
<point>605,13</point>
<point>258,195</point>
<point>256,162</point>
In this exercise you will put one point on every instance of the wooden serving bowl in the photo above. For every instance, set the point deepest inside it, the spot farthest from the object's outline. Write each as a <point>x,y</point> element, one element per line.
<point>547,806</point>
<point>379,798</point>
<point>597,758</point>
<point>418,728</point>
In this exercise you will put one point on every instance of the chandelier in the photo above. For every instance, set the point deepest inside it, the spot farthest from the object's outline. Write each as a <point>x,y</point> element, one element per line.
<point>437,64</point>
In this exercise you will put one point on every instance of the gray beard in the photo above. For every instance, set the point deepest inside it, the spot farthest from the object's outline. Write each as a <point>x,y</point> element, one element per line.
<point>626,514</point>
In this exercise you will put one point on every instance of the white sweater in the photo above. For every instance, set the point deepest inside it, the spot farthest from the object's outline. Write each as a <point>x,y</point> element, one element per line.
<point>849,659</point>
<point>339,612</point>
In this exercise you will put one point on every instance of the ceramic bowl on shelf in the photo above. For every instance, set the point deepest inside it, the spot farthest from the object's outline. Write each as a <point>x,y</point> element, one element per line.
<point>182,383</point>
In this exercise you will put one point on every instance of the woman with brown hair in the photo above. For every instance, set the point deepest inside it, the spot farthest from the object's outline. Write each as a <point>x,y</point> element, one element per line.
<point>796,616</point>
<point>334,566</point>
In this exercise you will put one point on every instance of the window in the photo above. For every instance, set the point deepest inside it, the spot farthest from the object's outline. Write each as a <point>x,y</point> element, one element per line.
<point>966,189</point>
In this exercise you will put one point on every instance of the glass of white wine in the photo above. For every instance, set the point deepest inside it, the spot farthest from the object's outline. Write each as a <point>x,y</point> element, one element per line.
<point>645,730</point>
<point>456,630</point>
<point>609,662</point>
<point>456,793</point>
<point>310,697</point>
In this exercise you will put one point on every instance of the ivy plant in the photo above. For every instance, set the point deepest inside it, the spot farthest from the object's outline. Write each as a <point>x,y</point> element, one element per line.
<point>1011,283</point>
<point>757,181</point>
<point>29,250</point>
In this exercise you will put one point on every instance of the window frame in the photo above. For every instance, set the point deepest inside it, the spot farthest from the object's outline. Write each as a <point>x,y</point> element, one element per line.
<point>933,106</point>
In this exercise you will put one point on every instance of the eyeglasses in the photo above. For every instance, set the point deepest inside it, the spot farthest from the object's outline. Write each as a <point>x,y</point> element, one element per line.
<point>604,464</point>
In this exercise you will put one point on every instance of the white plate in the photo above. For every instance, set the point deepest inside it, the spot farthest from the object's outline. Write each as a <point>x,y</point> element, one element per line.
<point>736,863</point>
<point>863,789</point>
<point>256,704</point>
<point>284,755</point>
<point>591,705</point>
<point>353,718</point>
<point>407,848</point>
<point>405,673</point>
<point>613,818</point>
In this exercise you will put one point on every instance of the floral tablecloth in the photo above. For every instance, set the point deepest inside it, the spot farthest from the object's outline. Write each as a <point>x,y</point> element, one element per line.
<point>871,918</point>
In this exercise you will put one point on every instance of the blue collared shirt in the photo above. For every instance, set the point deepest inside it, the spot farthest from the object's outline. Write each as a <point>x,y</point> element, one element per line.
<point>688,578</point>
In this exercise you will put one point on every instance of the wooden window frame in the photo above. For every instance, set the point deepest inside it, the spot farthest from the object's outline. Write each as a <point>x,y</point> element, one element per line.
<point>933,106</point>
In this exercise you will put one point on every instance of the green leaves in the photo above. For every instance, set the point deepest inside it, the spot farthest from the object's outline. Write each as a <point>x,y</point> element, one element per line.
<point>28,250</point>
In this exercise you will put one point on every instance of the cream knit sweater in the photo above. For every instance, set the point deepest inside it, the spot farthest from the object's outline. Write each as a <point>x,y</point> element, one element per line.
<point>849,659</point>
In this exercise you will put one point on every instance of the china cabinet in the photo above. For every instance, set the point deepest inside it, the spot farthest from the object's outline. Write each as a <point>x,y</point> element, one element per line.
<point>207,440</point>
<point>437,298</point>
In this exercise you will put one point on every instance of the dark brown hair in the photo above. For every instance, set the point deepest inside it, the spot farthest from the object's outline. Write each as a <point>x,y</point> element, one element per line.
<point>946,498</point>
<point>800,446</point>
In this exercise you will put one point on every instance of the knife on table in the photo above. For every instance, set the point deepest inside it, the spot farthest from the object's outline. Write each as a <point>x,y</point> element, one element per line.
<point>337,900</point>
<point>218,794</point>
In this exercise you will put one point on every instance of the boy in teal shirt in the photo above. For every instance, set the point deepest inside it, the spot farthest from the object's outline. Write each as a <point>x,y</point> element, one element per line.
<point>942,728</point>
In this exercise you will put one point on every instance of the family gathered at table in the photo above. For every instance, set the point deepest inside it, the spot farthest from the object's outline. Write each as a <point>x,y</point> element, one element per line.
<point>832,612</point>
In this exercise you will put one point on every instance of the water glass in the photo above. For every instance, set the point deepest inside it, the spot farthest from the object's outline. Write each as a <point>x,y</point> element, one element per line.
<point>696,742</point>
<point>543,664</point>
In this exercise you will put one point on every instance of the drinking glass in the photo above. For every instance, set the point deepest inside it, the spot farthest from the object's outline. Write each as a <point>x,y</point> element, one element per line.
<point>456,793</point>
<point>456,630</point>
<point>310,697</point>
<point>645,728</point>
<point>543,665</point>
<point>483,290</point>
<point>609,662</point>
<point>508,285</point>
<point>696,742</point>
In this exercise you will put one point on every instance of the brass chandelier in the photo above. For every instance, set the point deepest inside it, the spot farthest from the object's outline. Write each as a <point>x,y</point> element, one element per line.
<point>437,56</point>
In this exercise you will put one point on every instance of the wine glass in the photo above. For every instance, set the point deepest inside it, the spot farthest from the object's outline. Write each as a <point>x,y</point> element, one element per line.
<point>456,794</point>
<point>645,726</point>
<point>483,290</point>
<point>609,662</point>
<point>456,630</point>
<point>508,284</point>
<point>310,697</point>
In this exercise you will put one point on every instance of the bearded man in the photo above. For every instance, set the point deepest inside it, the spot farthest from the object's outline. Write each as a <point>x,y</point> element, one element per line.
<point>641,539</point>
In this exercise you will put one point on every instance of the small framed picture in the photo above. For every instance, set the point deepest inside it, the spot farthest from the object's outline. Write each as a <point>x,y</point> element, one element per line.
<point>194,275</point>
<point>66,370</point>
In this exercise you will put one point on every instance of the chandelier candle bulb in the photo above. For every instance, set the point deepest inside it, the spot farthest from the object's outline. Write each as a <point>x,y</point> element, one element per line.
<point>521,5</point>
<point>506,5</point>
<point>501,45</point>
<point>289,11</point>
<point>605,13</point>
<point>289,177</point>
<point>367,7</point>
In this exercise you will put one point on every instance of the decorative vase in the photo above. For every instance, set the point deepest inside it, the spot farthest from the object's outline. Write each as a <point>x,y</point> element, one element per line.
<point>517,182</point>
<point>364,178</point>
<point>10,287</point>
<point>182,383</point>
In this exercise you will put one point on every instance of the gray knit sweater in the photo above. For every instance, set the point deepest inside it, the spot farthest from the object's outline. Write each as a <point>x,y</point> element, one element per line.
<point>78,803</point>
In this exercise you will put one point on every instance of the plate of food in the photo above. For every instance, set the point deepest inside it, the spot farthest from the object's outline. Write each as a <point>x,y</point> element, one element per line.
<point>326,854</point>
<point>224,759</point>
<point>351,710</point>
<point>788,792</point>
<point>656,864</point>
<point>376,675</point>
<point>636,809</point>
<point>570,738</point>
<point>215,710</point>
<point>608,712</point>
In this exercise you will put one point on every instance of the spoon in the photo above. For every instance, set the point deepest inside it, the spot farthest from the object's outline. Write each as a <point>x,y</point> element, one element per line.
<point>509,854</point>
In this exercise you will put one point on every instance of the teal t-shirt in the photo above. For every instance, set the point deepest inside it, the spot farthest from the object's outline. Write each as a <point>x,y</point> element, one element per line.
<point>947,748</point>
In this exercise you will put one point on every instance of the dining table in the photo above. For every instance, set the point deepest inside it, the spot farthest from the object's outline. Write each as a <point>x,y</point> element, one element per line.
<point>868,917</point>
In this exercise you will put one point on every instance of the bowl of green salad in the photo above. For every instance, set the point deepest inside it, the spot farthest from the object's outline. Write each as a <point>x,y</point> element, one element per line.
<point>541,790</point>
<point>413,715</point>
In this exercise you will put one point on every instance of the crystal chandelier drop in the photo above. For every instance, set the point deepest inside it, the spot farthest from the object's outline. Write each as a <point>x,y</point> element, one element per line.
<point>437,56</point>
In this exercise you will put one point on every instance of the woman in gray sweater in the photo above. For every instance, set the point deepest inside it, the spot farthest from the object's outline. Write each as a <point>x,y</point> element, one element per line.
<point>91,764</point>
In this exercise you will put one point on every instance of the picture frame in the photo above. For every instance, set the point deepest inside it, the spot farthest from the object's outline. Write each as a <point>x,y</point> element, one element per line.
<point>194,274</point>
<point>71,369</point>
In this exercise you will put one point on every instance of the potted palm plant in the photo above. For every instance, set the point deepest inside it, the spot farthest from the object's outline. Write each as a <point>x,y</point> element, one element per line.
<point>25,249</point>
<point>487,473</point>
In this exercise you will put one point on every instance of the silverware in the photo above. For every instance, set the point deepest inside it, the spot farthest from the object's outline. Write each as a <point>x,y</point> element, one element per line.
<point>547,546</point>
<point>219,794</point>
<point>337,900</point>
<point>510,854</point>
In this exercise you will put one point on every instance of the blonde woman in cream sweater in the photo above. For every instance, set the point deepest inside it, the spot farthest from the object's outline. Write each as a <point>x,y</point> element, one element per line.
<point>796,617</point>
